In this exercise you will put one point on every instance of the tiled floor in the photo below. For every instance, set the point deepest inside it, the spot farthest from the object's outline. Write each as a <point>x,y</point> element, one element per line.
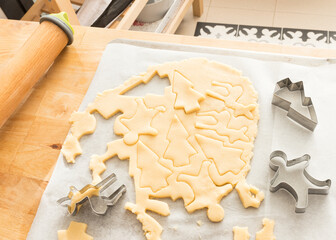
<point>310,14</point>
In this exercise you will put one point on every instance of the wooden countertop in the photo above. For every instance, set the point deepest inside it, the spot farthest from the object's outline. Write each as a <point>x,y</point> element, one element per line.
<point>30,141</point>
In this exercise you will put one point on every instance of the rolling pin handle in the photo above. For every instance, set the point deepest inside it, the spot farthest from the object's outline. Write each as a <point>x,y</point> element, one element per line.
<point>62,21</point>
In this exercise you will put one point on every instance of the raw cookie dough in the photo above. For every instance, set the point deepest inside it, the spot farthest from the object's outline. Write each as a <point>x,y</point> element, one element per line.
<point>267,232</point>
<point>250,196</point>
<point>76,231</point>
<point>199,223</point>
<point>82,123</point>
<point>240,233</point>
<point>195,142</point>
<point>78,197</point>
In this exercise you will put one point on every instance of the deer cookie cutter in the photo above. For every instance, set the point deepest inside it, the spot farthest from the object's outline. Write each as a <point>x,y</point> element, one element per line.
<point>92,193</point>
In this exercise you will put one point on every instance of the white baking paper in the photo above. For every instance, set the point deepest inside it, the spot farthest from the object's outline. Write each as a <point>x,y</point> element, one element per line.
<point>124,58</point>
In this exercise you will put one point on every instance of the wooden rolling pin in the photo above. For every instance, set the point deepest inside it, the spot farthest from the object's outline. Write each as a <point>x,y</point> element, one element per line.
<point>32,60</point>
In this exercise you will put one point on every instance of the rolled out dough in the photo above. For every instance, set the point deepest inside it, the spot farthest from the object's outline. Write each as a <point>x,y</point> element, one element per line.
<point>195,142</point>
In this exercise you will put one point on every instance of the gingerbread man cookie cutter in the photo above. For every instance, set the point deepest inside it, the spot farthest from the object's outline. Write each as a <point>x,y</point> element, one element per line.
<point>309,123</point>
<point>92,193</point>
<point>292,176</point>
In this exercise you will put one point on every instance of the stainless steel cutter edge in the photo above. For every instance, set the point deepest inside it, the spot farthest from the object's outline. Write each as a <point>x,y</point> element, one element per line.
<point>282,182</point>
<point>99,204</point>
<point>309,123</point>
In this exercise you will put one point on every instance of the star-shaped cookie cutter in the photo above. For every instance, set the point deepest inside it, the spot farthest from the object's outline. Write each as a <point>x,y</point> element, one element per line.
<point>309,123</point>
<point>292,176</point>
<point>99,204</point>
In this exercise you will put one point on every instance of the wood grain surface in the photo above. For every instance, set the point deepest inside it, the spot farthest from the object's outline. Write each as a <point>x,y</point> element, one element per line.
<point>30,141</point>
<point>28,65</point>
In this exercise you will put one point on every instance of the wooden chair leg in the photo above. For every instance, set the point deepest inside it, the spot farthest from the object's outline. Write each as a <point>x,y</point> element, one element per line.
<point>33,14</point>
<point>198,8</point>
<point>65,6</point>
<point>132,13</point>
<point>77,2</point>
<point>177,17</point>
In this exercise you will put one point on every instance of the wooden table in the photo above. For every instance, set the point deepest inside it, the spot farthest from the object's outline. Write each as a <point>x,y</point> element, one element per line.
<point>30,141</point>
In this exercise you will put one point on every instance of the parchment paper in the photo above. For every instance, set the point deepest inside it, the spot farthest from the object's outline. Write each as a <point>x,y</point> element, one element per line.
<point>124,58</point>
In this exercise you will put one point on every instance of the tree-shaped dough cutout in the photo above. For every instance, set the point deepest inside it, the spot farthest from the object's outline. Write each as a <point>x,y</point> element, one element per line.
<point>179,149</point>
<point>187,97</point>
<point>153,174</point>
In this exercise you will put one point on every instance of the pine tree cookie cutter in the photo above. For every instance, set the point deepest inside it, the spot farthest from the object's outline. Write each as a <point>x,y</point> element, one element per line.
<point>92,193</point>
<point>292,176</point>
<point>309,123</point>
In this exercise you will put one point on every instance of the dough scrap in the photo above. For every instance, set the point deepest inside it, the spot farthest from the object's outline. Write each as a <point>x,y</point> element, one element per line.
<point>241,233</point>
<point>250,196</point>
<point>71,148</point>
<point>76,231</point>
<point>199,223</point>
<point>195,142</point>
<point>82,123</point>
<point>152,229</point>
<point>266,233</point>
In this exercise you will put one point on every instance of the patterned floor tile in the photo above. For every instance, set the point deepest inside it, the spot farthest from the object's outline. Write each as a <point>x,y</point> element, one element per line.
<point>275,35</point>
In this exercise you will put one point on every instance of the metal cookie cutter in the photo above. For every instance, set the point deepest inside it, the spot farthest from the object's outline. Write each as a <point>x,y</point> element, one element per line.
<point>309,123</point>
<point>292,176</point>
<point>92,193</point>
